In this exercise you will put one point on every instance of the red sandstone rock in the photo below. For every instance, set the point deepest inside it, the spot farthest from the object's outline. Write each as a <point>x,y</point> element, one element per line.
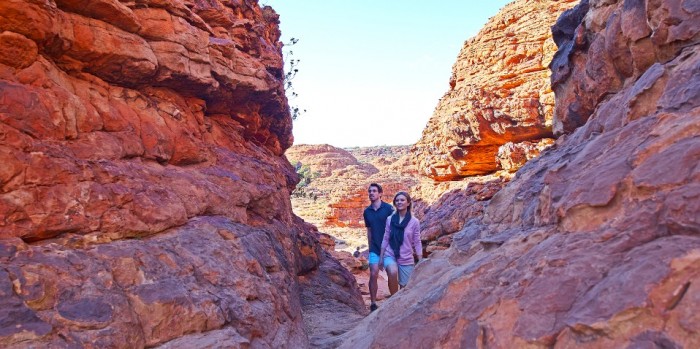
<point>144,197</point>
<point>452,211</point>
<point>325,159</point>
<point>512,156</point>
<point>594,243</point>
<point>499,93</point>
<point>16,50</point>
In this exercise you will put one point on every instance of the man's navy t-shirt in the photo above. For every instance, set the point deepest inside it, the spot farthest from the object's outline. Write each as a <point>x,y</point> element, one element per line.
<point>376,222</point>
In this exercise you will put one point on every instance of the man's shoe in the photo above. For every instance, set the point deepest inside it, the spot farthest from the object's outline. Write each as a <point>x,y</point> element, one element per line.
<point>373,307</point>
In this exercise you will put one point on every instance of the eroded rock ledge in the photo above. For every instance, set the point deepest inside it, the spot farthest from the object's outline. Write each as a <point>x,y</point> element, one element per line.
<point>498,111</point>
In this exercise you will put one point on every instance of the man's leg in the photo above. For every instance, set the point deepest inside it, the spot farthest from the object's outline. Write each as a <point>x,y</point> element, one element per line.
<point>373,274</point>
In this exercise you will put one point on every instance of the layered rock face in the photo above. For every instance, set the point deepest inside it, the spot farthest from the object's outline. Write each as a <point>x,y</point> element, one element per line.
<point>144,195</point>
<point>448,214</point>
<point>499,96</point>
<point>324,159</point>
<point>595,243</point>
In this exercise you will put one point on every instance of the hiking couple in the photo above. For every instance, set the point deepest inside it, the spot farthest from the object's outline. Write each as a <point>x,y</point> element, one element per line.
<point>392,236</point>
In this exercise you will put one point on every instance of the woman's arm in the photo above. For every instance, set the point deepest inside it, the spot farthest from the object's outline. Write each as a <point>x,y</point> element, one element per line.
<point>385,241</point>
<point>415,240</point>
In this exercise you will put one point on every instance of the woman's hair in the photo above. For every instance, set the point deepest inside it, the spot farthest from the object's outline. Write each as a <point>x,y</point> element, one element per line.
<point>408,198</point>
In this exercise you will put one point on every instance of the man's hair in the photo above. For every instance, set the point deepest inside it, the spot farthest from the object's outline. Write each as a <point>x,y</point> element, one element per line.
<point>379,187</point>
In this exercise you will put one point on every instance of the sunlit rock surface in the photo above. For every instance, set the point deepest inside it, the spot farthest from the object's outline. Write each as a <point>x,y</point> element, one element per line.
<point>144,195</point>
<point>596,242</point>
<point>499,93</point>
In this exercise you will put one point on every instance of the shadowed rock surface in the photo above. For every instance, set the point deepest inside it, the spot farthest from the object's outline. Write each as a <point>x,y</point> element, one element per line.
<point>595,243</point>
<point>144,195</point>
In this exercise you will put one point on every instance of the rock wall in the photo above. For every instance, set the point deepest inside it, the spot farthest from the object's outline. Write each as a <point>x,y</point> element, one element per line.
<point>144,195</point>
<point>499,96</point>
<point>596,242</point>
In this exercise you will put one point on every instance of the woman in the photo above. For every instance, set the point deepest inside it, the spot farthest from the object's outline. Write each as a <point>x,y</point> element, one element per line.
<point>401,237</point>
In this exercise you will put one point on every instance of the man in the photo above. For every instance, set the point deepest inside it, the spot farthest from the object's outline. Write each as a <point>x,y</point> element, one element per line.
<point>375,220</point>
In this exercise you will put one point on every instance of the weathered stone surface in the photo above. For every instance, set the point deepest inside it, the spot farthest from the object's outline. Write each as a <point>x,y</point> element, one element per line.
<point>144,195</point>
<point>448,214</point>
<point>76,132</point>
<point>17,321</point>
<point>628,40</point>
<point>499,93</point>
<point>512,156</point>
<point>150,291</point>
<point>324,159</point>
<point>596,242</point>
<point>16,50</point>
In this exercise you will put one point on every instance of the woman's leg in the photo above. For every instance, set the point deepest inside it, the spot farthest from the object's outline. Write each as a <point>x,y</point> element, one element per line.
<point>392,272</point>
<point>405,272</point>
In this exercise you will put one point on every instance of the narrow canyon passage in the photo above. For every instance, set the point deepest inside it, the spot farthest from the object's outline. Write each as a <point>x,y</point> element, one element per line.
<point>345,172</point>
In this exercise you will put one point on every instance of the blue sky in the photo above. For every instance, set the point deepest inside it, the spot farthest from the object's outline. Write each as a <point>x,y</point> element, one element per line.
<point>372,72</point>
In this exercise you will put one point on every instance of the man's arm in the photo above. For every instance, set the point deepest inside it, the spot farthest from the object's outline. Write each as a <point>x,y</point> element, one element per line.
<point>369,231</point>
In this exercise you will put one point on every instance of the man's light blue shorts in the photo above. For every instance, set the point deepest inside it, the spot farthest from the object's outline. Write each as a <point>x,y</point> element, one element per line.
<point>373,258</point>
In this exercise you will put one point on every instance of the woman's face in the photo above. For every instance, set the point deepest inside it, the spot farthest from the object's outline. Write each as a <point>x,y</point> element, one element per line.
<point>401,203</point>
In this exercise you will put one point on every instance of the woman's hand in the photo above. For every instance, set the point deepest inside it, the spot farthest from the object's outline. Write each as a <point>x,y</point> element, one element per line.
<point>381,261</point>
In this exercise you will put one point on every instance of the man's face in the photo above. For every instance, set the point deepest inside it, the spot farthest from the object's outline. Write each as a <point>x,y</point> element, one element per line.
<point>374,194</point>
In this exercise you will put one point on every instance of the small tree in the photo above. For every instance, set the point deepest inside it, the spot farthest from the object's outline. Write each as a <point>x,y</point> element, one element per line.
<point>305,177</point>
<point>291,66</point>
